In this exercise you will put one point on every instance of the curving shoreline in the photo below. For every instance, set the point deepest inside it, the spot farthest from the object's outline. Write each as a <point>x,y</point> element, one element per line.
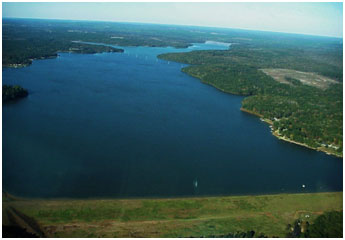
<point>275,133</point>
<point>269,122</point>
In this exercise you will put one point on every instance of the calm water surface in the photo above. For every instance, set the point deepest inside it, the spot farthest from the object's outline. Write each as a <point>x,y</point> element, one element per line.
<point>131,125</point>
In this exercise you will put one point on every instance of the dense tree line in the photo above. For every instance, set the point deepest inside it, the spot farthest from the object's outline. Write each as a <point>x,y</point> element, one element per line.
<point>25,51</point>
<point>308,60</point>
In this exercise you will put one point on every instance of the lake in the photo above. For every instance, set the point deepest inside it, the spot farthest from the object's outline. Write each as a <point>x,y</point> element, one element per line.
<point>131,125</point>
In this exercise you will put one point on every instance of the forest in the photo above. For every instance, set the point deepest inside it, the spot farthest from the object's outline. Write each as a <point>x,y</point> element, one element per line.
<point>35,38</point>
<point>28,39</point>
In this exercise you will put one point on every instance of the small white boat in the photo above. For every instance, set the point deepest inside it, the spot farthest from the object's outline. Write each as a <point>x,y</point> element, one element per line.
<point>195,183</point>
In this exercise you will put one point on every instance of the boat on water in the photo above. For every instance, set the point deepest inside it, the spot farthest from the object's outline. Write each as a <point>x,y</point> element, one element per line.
<point>195,183</point>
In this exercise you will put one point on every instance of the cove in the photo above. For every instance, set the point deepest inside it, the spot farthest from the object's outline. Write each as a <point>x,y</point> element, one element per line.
<point>131,125</point>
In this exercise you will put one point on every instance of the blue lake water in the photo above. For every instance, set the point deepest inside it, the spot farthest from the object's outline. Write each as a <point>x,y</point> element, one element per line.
<point>131,125</point>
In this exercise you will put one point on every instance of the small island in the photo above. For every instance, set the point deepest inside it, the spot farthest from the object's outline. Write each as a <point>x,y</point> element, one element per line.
<point>10,93</point>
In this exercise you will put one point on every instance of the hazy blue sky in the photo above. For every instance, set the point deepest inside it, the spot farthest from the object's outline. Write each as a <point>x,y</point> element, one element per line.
<point>308,18</point>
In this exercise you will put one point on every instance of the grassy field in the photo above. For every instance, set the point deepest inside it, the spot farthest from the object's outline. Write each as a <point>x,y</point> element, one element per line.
<point>180,217</point>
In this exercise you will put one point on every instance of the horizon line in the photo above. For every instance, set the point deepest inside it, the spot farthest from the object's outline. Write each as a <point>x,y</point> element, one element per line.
<point>172,24</point>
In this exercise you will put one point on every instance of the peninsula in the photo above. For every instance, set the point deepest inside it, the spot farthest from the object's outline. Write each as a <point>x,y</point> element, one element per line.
<point>294,87</point>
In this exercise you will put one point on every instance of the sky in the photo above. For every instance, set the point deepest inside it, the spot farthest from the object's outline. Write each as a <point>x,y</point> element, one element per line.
<point>322,18</point>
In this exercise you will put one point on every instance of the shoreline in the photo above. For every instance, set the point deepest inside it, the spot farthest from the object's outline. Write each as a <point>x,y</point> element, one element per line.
<point>55,55</point>
<point>22,65</point>
<point>12,197</point>
<point>274,133</point>
<point>269,122</point>
<point>262,118</point>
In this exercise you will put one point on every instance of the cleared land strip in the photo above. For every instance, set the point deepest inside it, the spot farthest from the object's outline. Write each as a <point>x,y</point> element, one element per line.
<point>180,217</point>
<point>307,78</point>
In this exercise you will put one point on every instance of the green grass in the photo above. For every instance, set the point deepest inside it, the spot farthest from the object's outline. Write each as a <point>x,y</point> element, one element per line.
<point>182,217</point>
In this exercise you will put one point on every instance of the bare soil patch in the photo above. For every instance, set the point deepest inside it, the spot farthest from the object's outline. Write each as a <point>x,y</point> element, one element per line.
<point>307,78</point>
